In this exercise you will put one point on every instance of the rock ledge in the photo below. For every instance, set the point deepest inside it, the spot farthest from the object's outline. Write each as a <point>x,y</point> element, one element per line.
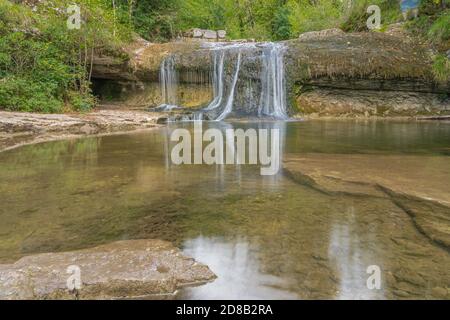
<point>124,269</point>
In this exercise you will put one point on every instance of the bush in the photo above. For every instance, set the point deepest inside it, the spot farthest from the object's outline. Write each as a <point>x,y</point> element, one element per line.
<point>439,31</point>
<point>24,94</point>
<point>433,28</point>
<point>441,68</point>
<point>44,66</point>
<point>281,26</point>
<point>308,16</point>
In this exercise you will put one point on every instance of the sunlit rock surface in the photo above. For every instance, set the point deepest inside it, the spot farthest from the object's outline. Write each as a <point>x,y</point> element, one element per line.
<point>19,128</point>
<point>123,269</point>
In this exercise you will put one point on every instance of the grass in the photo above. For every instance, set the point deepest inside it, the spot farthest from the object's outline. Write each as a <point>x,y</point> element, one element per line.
<point>441,68</point>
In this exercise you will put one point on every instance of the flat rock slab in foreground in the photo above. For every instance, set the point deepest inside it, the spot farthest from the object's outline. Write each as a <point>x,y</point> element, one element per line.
<point>123,269</point>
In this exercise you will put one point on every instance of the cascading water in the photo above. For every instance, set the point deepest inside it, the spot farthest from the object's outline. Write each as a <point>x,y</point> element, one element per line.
<point>219,58</point>
<point>272,96</point>
<point>229,106</point>
<point>247,78</point>
<point>168,78</point>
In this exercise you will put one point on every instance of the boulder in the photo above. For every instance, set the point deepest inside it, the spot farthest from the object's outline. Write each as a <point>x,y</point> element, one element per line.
<point>209,34</point>
<point>221,34</point>
<point>196,33</point>
<point>123,269</point>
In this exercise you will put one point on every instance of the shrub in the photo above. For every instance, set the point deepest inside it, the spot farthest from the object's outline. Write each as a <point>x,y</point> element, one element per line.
<point>281,26</point>
<point>441,68</point>
<point>44,66</point>
<point>24,94</point>
<point>440,30</point>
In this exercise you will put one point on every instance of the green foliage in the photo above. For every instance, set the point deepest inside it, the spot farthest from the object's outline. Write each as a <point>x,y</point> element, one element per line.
<point>441,68</point>
<point>281,26</point>
<point>434,27</point>
<point>25,94</point>
<point>440,29</point>
<point>315,15</point>
<point>44,66</point>
<point>356,14</point>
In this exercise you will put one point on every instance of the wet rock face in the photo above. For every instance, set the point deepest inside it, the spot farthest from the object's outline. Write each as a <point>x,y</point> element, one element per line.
<point>123,269</point>
<point>369,74</point>
<point>364,103</point>
<point>330,63</point>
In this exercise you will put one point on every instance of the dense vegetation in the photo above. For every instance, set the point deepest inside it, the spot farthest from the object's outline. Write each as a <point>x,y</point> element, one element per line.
<point>46,67</point>
<point>158,20</point>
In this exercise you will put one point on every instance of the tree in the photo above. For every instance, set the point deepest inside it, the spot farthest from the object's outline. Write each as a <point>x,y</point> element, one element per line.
<point>281,26</point>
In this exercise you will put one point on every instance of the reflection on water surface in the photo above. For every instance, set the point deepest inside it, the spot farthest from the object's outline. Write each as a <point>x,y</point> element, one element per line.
<point>265,237</point>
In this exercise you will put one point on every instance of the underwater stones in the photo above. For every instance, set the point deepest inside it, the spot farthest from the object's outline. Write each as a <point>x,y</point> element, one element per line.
<point>440,292</point>
<point>121,269</point>
<point>409,276</point>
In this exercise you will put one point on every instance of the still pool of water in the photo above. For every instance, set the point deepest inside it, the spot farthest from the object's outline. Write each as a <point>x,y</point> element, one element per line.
<point>265,237</point>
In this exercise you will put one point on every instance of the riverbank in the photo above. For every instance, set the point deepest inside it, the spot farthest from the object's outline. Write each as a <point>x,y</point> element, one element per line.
<point>22,128</point>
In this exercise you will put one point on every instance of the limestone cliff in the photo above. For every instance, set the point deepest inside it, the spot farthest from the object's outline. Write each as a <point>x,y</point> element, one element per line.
<point>327,74</point>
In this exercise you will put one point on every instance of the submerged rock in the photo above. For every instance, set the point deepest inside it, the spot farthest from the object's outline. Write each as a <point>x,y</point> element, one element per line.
<point>379,176</point>
<point>123,269</point>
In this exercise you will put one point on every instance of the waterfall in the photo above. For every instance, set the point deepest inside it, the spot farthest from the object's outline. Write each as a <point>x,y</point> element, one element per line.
<point>272,100</point>
<point>248,79</point>
<point>218,83</point>
<point>273,96</point>
<point>229,106</point>
<point>169,83</point>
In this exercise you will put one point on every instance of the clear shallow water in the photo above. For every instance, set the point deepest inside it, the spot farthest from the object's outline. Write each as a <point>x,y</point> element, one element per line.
<point>265,237</point>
